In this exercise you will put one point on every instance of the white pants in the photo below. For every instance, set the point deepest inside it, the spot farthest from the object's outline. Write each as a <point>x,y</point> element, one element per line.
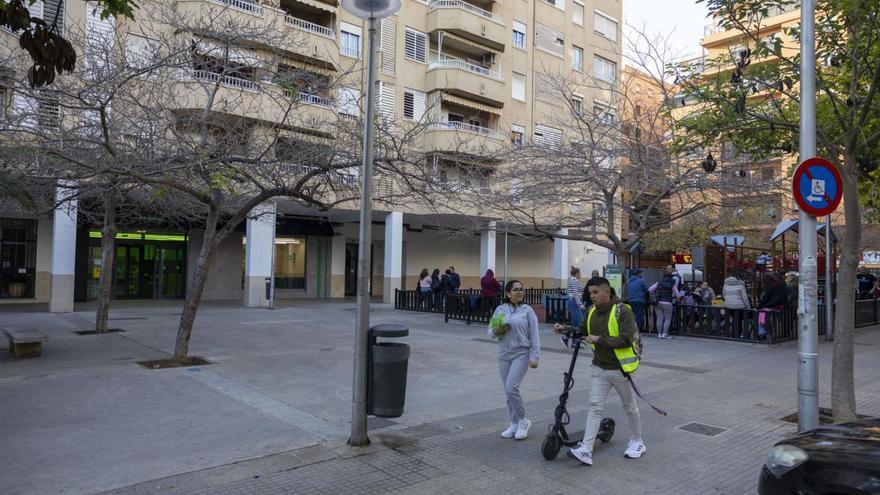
<point>601,382</point>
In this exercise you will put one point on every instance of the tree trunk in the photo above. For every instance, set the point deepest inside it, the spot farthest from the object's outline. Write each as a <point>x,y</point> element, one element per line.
<point>843,396</point>
<point>197,287</point>
<point>108,259</point>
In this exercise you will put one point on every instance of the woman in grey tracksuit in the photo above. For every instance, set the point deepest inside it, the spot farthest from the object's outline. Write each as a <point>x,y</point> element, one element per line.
<point>519,348</point>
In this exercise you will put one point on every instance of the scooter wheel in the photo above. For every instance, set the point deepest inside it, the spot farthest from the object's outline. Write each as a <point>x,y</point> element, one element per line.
<point>550,447</point>
<point>606,430</point>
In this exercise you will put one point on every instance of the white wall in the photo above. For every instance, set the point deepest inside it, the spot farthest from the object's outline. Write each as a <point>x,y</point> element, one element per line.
<point>587,256</point>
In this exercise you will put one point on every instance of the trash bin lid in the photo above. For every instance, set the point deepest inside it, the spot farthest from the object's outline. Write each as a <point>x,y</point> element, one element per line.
<point>389,330</point>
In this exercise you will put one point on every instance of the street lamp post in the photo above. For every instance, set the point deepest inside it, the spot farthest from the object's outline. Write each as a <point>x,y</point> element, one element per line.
<point>369,10</point>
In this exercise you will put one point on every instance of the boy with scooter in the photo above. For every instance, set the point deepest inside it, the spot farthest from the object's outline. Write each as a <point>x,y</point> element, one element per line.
<point>610,329</point>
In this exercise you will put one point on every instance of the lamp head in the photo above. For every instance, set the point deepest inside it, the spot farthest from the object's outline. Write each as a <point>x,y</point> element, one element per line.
<point>365,9</point>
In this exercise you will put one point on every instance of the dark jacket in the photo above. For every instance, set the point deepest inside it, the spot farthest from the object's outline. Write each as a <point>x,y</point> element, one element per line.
<point>666,289</point>
<point>773,296</point>
<point>636,289</point>
<point>456,280</point>
<point>603,356</point>
<point>489,286</point>
<point>446,283</point>
<point>791,292</point>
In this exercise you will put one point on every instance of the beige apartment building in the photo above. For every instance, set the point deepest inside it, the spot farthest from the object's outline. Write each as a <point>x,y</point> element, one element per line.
<point>472,71</point>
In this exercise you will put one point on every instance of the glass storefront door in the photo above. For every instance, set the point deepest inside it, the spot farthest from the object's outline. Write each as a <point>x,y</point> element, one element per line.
<point>18,257</point>
<point>147,266</point>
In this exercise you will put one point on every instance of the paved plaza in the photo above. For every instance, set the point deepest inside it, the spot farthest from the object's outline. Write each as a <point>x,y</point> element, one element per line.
<point>271,413</point>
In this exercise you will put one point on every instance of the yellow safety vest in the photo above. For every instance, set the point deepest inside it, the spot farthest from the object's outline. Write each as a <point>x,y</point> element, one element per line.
<point>628,357</point>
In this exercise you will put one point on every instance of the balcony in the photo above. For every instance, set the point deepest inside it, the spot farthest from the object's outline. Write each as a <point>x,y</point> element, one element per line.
<point>460,77</point>
<point>468,21</point>
<point>199,14</point>
<point>461,138</point>
<point>241,6</point>
<point>310,27</point>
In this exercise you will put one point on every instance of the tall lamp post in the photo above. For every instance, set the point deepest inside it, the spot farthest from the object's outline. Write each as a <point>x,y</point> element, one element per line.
<point>369,10</point>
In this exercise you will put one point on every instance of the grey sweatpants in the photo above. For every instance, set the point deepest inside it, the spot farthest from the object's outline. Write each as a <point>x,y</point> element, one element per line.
<point>513,369</point>
<point>664,317</point>
<point>601,382</point>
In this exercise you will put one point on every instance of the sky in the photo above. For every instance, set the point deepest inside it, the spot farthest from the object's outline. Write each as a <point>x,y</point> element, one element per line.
<point>680,21</point>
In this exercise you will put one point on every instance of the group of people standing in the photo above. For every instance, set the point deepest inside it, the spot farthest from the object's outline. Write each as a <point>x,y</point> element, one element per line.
<point>450,281</point>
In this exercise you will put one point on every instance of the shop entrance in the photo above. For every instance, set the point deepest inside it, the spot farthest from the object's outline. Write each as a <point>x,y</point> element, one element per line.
<point>351,270</point>
<point>148,266</point>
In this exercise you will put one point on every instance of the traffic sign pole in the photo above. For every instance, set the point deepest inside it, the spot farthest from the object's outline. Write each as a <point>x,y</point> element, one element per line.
<point>808,329</point>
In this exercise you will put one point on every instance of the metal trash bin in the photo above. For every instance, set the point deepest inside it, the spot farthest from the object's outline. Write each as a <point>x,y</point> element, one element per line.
<point>386,379</point>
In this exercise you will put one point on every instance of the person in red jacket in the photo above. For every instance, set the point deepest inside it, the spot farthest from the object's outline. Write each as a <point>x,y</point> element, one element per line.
<point>489,289</point>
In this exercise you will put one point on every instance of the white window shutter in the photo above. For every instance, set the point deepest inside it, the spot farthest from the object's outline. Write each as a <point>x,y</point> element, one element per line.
<point>418,105</point>
<point>416,45</point>
<point>550,40</point>
<point>349,101</point>
<point>24,110</point>
<point>388,46</point>
<point>36,9</point>
<point>547,136</point>
<point>385,99</point>
<point>519,86</point>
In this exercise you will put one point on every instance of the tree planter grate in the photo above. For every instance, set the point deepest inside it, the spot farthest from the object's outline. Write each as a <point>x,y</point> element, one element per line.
<point>94,332</point>
<point>159,364</point>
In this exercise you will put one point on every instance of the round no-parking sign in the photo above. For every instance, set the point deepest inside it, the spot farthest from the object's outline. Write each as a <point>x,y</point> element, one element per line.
<point>817,187</point>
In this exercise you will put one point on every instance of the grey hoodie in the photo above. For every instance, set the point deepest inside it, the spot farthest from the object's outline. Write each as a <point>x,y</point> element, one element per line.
<point>735,294</point>
<point>523,334</point>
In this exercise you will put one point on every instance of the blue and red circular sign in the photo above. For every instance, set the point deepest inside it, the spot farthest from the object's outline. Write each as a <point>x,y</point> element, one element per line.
<point>817,187</point>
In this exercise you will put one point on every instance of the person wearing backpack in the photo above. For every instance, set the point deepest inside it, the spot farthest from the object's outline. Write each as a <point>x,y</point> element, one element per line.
<point>610,328</point>
<point>667,293</point>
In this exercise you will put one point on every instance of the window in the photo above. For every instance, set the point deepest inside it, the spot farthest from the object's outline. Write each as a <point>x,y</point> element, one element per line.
<point>547,89</point>
<point>415,45</point>
<point>577,105</point>
<point>413,104</point>
<point>604,69</point>
<point>549,40</point>
<point>142,53</point>
<point>638,110</point>
<point>290,263</point>
<point>350,40</point>
<point>517,135</point>
<point>547,136</point>
<point>605,113</point>
<point>517,189</point>
<point>605,25</point>
<point>559,4</point>
<point>519,86</point>
<point>348,101</point>
<point>577,13</point>
<point>48,111</point>
<point>385,99</point>
<point>519,35</point>
<point>577,58</point>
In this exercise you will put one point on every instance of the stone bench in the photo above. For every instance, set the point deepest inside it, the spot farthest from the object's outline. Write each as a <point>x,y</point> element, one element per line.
<point>25,343</point>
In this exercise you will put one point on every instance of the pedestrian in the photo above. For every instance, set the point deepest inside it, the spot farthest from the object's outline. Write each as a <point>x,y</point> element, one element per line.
<point>424,285</point>
<point>867,283</point>
<point>706,295</point>
<point>773,299</point>
<point>610,329</point>
<point>489,289</point>
<point>637,296</point>
<point>736,300</point>
<point>456,279</point>
<point>435,280</point>
<point>667,294</point>
<point>446,282</point>
<point>762,261</point>
<point>575,303</point>
<point>594,274</point>
<point>437,303</point>
<point>791,290</point>
<point>519,348</point>
<point>676,277</point>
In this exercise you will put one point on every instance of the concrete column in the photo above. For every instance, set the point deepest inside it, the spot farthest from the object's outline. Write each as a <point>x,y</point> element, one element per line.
<point>337,266</point>
<point>63,251</point>
<point>560,259</point>
<point>393,255</point>
<point>259,251</point>
<point>487,249</point>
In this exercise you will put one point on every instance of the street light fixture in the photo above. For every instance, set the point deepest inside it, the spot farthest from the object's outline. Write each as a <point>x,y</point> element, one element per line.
<point>369,10</point>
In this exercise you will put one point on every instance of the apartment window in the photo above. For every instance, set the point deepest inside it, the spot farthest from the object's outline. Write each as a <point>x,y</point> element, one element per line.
<point>547,136</point>
<point>519,35</point>
<point>517,135</point>
<point>385,99</point>
<point>547,89</point>
<point>350,40</point>
<point>577,58</point>
<point>413,104</point>
<point>549,40</point>
<point>559,4</point>
<point>604,69</point>
<point>349,102</point>
<point>415,45</point>
<point>638,110</point>
<point>577,105</point>
<point>605,25</point>
<point>48,111</point>
<point>577,13</point>
<point>605,114</point>
<point>387,44</point>
<point>519,86</point>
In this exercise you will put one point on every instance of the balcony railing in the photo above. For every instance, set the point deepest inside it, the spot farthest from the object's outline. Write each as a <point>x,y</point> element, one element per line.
<point>454,63</point>
<point>235,82</point>
<point>468,128</point>
<point>318,101</point>
<point>242,5</point>
<point>337,175</point>
<point>310,27</point>
<point>460,4</point>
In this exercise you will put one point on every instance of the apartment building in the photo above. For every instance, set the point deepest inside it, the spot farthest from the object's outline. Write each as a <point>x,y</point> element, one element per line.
<point>477,72</point>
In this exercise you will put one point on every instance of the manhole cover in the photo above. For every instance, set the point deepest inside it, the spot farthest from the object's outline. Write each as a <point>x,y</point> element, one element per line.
<point>701,429</point>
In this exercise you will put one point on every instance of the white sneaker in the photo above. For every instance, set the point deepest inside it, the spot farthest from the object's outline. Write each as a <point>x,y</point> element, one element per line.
<point>581,454</point>
<point>522,431</point>
<point>510,431</point>
<point>635,449</point>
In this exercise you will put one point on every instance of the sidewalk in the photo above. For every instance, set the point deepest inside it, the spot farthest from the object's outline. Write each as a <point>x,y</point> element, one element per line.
<point>270,415</point>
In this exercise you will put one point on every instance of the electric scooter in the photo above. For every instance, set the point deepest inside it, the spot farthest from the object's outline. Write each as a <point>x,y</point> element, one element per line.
<point>557,436</point>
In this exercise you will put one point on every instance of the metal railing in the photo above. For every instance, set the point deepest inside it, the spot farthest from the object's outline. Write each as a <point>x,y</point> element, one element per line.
<point>465,127</point>
<point>867,312</point>
<point>242,5</point>
<point>235,82</point>
<point>310,99</point>
<point>310,27</point>
<point>454,63</point>
<point>465,305</point>
<point>460,4</point>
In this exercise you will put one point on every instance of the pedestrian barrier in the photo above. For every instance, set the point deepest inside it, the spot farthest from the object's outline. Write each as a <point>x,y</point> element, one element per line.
<point>464,305</point>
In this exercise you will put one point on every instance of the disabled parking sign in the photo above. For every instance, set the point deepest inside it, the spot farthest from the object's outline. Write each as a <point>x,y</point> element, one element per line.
<point>817,187</point>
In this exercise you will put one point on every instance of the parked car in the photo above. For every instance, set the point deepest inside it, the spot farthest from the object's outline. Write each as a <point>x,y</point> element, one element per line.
<point>835,459</point>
